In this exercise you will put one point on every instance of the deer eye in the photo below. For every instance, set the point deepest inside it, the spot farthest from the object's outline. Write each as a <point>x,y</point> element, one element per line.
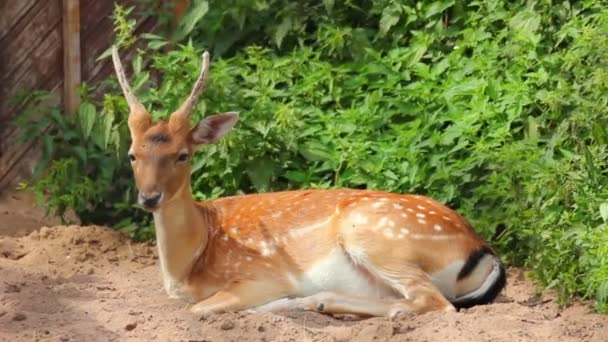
<point>182,157</point>
<point>131,157</point>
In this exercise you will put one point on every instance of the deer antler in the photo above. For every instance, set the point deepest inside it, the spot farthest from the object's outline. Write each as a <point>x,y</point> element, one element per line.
<point>179,119</point>
<point>138,116</point>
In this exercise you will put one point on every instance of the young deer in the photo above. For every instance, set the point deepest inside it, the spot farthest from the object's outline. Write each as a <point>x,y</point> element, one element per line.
<point>361,252</point>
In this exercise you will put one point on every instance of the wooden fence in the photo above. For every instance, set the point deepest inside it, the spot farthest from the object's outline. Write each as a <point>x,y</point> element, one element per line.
<point>51,45</point>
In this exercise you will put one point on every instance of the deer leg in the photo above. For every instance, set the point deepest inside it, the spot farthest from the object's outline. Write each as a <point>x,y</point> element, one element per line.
<point>421,298</point>
<point>339,303</point>
<point>330,302</point>
<point>239,296</point>
<point>420,295</point>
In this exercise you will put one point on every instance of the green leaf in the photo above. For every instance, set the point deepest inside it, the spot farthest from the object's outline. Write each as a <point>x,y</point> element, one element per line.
<point>604,211</point>
<point>390,17</point>
<point>436,8</point>
<point>260,172</point>
<point>281,30</point>
<point>315,151</point>
<point>329,5</point>
<point>108,123</point>
<point>297,176</point>
<point>157,44</point>
<point>192,17</point>
<point>469,87</point>
<point>137,64</point>
<point>87,117</point>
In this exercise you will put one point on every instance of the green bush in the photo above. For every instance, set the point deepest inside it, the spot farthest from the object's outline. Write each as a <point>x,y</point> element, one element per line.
<point>496,108</point>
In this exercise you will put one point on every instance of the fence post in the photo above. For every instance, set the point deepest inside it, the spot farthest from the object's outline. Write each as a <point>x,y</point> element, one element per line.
<point>71,55</point>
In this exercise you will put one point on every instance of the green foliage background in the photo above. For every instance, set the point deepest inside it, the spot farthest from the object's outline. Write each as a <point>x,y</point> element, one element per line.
<point>496,108</point>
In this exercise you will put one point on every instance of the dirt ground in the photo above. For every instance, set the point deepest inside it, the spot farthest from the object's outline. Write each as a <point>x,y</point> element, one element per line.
<point>73,283</point>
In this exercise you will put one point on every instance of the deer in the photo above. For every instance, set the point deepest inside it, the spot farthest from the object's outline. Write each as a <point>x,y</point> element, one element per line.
<point>337,251</point>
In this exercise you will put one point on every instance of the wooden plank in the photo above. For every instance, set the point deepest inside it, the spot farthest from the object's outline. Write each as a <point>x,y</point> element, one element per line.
<point>104,69</point>
<point>100,38</point>
<point>46,65</point>
<point>71,55</point>
<point>12,12</point>
<point>28,34</point>
<point>180,7</point>
<point>50,85</point>
<point>14,154</point>
<point>34,71</point>
<point>21,171</point>
<point>92,13</point>
<point>46,74</point>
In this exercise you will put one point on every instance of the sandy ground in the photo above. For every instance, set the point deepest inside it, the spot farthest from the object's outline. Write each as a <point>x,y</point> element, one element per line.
<point>73,283</point>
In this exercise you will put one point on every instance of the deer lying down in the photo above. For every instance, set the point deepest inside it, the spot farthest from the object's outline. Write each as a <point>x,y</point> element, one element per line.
<point>367,253</point>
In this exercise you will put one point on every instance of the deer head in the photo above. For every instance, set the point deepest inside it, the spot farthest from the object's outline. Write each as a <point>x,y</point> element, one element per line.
<point>160,152</point>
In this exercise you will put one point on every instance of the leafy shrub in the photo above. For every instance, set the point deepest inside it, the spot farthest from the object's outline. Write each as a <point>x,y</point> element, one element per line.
<point>496,108</point>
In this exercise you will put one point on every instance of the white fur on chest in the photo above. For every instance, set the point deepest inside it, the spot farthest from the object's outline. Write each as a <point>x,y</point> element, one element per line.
<point>336,272</point>
<point>174,285</point>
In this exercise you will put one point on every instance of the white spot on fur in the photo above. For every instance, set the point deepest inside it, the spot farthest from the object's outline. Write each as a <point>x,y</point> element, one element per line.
<point>421,215</point>
<point>248,258</point>
<point>388,233</point>
<point>404,231</point>
<point>434,237</point>
<point>404,215</point>
<point>421,207</point>
<point>432,212</point>
<point>437,227</point>
<point>267,252</point>
<point>397,206</point>
<point>422,221</point>
<point>359,218</point>
<point>410,210</point>
<point>377,205</point>
<point>383,221</point>
<point>446,218</point>
<point>391,223</point>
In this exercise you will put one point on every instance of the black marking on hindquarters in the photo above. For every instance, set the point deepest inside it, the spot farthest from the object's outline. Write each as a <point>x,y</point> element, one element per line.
<point>488,296</point>
<point>472,262</point>
<point>321,307</point>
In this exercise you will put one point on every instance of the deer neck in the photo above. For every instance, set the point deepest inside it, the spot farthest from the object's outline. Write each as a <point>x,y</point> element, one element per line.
<point>181,235</point>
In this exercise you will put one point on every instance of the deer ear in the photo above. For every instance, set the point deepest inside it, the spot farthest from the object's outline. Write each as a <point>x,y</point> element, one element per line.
<point>213,128</point>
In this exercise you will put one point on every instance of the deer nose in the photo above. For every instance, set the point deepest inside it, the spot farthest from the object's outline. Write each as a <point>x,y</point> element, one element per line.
<point>150,199</point>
